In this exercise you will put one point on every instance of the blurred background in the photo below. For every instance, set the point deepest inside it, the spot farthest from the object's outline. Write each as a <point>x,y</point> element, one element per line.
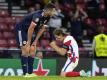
<point>82,19</point>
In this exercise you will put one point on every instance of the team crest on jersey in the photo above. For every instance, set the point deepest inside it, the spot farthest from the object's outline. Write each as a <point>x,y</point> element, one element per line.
<point>37,19</point>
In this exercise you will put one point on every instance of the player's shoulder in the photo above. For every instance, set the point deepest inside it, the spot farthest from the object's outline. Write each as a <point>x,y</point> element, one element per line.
<point>35,14</point>
<point>68,37</point>
<point>67,40</point>
<point>38,13</point>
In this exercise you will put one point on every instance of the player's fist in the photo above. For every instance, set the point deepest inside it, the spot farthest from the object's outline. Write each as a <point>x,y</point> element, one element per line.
<point>34,44</point>
<point>53,43</point>
<point>27,48</point>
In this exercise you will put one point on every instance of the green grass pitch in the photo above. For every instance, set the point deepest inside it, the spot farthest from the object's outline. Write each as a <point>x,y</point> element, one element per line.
<point>52,78</point>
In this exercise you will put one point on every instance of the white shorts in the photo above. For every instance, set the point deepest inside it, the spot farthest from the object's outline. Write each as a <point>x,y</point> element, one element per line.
<point>69,65</point>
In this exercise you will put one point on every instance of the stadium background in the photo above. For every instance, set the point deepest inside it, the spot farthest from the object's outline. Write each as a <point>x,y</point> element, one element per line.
<point>12,11</point>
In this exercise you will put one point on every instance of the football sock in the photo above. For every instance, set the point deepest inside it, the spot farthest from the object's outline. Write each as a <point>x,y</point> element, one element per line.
<point>24,61</point>
<point>72,74</point>
<point>30,64</point>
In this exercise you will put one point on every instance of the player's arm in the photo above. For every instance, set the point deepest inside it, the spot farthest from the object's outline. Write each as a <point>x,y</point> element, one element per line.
<point>76,14</point>
<point>59,50</point>
<point>39,34</point>
<point>30,31</point>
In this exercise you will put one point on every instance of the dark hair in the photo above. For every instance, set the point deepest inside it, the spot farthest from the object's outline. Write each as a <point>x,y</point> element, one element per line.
<point>49,6</point>
<point>58,32</point>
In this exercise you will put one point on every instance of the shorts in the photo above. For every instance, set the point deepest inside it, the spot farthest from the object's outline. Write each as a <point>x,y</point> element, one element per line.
<point>21,36</point>
<point>69,65</point>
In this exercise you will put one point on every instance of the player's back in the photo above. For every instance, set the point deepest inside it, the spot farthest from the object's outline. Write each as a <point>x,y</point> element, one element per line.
<point>26,21</point>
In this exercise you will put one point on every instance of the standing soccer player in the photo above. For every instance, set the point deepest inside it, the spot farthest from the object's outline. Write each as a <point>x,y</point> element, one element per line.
<point>70,48</point>
<point>33,23</point>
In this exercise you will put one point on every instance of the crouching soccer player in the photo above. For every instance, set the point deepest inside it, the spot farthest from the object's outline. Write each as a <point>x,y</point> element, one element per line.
<point>70,48</point>
<point>33,23</point>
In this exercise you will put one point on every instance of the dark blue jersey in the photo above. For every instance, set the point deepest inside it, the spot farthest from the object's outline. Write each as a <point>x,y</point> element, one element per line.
<point>37,17</point>
<point>22,27</point>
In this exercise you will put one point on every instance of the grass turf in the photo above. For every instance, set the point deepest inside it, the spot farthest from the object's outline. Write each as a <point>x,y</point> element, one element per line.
<point>52,78</point>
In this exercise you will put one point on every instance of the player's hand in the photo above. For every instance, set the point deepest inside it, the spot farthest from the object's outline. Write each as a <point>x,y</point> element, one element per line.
<point>27,48</point>
<point>53,43</point>
<point>34,43</point>
<point>28,43</point>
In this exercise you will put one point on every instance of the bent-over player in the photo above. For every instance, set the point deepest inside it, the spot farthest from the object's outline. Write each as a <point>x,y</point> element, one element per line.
<point>33,23</point>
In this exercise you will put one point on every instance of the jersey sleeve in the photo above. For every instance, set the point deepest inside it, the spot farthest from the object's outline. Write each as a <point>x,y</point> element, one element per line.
<point>65,46</point>
<point>66,43</point>
<point>68,40</point>
<point>35,19</point>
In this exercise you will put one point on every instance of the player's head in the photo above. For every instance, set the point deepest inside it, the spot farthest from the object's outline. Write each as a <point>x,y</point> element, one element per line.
<point>59,34</point>
<point>49,9</point>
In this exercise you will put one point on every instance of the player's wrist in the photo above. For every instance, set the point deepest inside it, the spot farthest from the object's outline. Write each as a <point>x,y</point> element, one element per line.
<point>28,42</point>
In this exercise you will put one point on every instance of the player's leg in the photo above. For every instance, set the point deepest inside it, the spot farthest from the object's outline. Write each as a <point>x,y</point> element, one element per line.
<point>30,62</point>
<point>31,59</point>
<point>20,37</point>
<point>68,69</point>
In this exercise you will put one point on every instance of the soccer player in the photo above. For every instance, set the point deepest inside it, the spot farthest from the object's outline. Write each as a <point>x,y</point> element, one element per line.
<point>33,23</point>
<point>70,47</point>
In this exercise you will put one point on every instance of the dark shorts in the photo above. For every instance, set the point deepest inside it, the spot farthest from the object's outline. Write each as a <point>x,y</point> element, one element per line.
<point>21,35</point>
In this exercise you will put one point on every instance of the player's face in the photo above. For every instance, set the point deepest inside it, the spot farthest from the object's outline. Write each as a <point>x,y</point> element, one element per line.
<point>52,12</point>
<point>59,38</point>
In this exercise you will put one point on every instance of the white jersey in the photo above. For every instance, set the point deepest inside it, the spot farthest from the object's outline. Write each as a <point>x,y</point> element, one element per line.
<point>71,46</point>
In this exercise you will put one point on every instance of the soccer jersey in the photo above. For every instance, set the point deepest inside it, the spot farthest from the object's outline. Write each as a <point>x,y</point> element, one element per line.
<point>21,28</point>
<point>71,46</point>
<point>37,17</point>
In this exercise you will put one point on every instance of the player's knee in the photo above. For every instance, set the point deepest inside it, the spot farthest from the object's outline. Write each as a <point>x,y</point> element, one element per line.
<point>32,49</point>
<point>25,53</point>
<point>25,50</point>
